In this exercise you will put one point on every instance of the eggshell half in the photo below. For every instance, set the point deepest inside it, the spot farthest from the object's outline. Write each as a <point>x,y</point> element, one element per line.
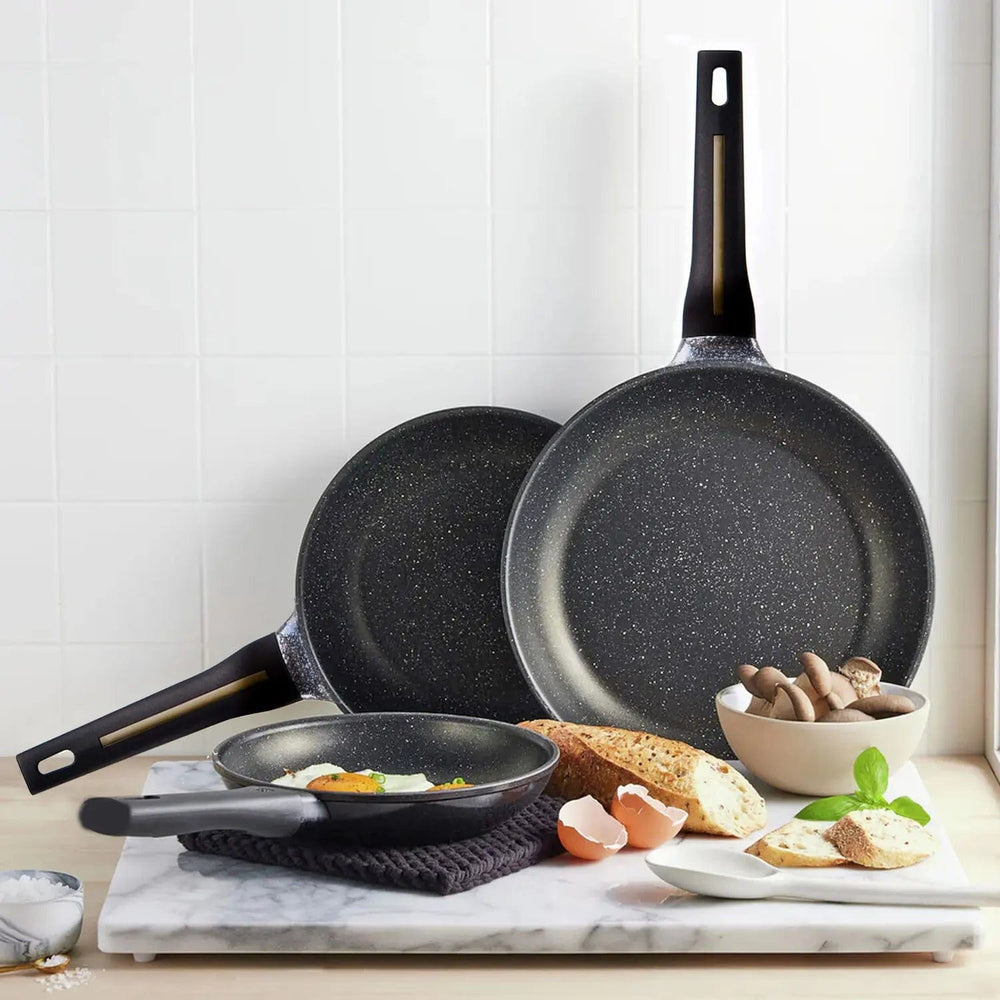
<point>587,831</point>
<point>648,821</point>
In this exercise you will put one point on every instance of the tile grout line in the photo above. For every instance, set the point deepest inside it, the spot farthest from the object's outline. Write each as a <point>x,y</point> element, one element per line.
<point>199,408</point>
<point>490,312</point>
<point>344,350</point>
<point>929,739</point>
<point>785,254</point>
<point>54,374</point>
<point>637,196</point>
<point>154,359</point>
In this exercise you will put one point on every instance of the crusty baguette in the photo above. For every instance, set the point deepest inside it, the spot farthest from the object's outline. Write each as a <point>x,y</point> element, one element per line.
<point>879,838</point>
<point>798,844</point>
<point>595,760</point>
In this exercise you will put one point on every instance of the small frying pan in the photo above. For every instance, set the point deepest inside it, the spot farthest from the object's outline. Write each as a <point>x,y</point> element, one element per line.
<point>506,765</point>
<point>711,513</point>
<point>397,598</point>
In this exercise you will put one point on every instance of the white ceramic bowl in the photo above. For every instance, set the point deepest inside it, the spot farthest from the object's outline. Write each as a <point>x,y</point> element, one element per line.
<point>47,927</point>
<point>816,758</point>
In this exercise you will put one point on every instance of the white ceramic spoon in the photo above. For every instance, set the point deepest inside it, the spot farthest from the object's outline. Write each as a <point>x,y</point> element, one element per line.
<point>712,871</point>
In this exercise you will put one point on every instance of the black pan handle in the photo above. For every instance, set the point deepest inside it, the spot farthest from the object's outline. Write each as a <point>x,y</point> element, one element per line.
<point>256,809</point>
<point>253,679</point>
<point>718,300</point>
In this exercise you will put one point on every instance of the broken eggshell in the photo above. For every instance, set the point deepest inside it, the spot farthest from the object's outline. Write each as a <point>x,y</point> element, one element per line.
<point>648,821</point>
<point>588,831</point>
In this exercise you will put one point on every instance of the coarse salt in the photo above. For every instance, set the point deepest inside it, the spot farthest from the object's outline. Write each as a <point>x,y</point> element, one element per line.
<point>31,889</point>
<point>67,980</point>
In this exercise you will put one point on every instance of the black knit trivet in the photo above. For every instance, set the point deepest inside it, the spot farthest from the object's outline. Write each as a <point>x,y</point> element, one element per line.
<point>524,840</point>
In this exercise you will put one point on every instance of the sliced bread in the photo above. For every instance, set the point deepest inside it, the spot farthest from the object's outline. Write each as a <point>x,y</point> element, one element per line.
<point>798,844</point>
<point>595,760</point>
<point>879,838</point>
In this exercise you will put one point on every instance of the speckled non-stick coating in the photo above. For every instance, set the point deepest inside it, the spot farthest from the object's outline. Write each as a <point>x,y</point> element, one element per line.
<point>713,513</point>
<point>508,766</point>
<point>399,571</point>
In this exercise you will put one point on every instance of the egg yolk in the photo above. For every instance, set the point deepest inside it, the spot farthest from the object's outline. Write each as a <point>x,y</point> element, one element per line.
<point>346,781</point>
<point>457,783</point>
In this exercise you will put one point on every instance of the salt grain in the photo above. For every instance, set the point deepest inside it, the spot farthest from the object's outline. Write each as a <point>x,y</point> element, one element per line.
<point>68,980</point>
<point>31,889</point>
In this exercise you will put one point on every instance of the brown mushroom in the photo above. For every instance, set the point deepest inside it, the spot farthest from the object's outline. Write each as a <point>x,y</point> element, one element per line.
<point>814,667</point>
<point>835,702</point>
<point>841,693</point>
<point>747,673</point>
<point>800,703</point>
<point>846,715</point>
<point>881,706</point>
<point>767,680</point>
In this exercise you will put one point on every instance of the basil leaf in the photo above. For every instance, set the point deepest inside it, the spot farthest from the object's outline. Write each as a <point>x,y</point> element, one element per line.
<point>872,801</point>
<point>905,806</point>
<point>832,807</point>
<point>871,772</point>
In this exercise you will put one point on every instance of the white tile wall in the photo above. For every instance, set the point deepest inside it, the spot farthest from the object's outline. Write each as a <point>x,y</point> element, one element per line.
<point>272,428</point>
<point>26,445</point>
<point>127,429</point>
<point>123,282</point>
<point>22,135</point>
<point>24,295</point>
<point>239,238</point>
<point>269,282</point>
<point>120,135</point>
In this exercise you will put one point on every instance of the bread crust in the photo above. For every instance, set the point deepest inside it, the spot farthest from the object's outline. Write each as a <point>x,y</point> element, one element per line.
<point>878,838</point>
<point>595,760</point>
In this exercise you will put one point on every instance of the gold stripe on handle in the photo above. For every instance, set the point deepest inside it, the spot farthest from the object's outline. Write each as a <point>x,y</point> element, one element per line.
<point>718,220</point>
<point>209,698</point>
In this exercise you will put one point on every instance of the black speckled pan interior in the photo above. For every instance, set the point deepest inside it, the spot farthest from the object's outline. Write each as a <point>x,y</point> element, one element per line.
<point>713,513</point>
<point>398,578</point>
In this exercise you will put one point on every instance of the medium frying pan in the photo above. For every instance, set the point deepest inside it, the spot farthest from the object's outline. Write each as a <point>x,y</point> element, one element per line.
<point>712,513</point>
<point>507,766</point>
<point>397,605</point>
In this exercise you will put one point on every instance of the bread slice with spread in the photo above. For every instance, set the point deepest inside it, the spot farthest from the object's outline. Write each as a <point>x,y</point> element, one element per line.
<point>799,844</point>
<point>878,838</point>
<point>595,760</point>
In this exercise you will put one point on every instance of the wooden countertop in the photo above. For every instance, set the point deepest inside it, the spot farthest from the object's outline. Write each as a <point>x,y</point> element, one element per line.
<point>42,832</point>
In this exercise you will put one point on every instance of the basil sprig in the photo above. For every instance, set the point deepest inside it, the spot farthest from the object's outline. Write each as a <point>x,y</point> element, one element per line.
<point>871,774</point>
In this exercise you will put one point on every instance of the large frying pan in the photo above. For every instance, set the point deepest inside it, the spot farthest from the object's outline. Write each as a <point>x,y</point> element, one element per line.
<point>397,604</point>
<point>712,513</point>
<point>508,767</point>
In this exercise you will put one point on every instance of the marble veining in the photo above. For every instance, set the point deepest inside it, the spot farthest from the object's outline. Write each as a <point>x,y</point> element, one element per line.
<point>164,899</point>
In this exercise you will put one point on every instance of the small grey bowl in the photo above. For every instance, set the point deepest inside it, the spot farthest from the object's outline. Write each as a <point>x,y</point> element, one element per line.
<point>46,927</point>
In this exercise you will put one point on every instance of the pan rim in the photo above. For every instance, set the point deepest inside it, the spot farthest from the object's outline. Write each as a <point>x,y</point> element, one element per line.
<point>394,798</point>
<point>757,369</point>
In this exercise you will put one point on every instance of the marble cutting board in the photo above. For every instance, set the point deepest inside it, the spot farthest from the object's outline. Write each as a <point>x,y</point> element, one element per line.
<point>165,899</point>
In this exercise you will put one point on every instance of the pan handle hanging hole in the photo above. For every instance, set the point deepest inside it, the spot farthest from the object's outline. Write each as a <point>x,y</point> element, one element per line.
<point>720,92</point>
<point>55,761</point>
